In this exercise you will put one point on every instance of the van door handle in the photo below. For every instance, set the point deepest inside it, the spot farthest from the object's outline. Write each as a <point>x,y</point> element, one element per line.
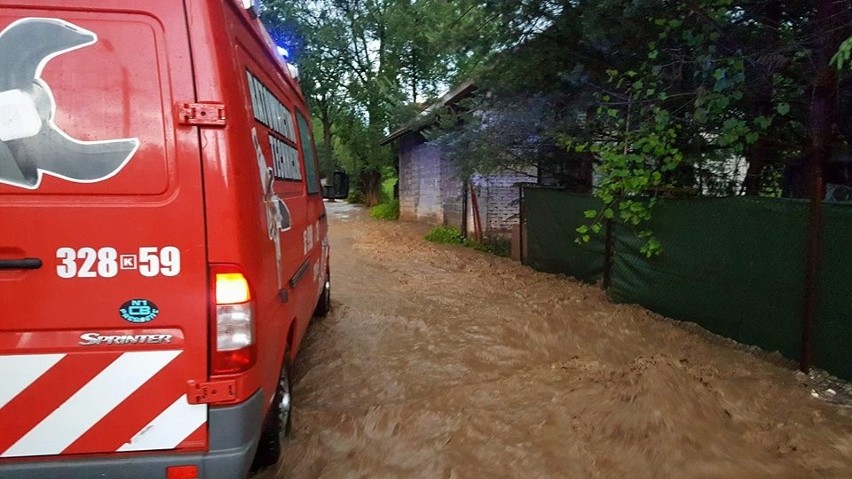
<point>23,263</point>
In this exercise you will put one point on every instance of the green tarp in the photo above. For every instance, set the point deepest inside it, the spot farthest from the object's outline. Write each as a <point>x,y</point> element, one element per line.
<point>552,218</point>
<point>733,265</point>
<point>833,340</point>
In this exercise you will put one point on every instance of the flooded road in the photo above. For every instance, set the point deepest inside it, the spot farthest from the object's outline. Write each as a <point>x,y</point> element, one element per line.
<point>442,362</point>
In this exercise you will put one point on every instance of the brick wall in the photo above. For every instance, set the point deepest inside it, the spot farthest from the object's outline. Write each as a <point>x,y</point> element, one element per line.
<point>428,191</point>
<point>498,201</point>
<point>431,191</point>
<point>452,195</point>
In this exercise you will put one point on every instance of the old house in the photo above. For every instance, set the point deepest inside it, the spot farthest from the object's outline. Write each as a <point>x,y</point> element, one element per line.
<point>432,191</point>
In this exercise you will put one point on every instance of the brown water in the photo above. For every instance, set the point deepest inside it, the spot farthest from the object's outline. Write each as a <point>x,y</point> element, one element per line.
<point>443,362</point>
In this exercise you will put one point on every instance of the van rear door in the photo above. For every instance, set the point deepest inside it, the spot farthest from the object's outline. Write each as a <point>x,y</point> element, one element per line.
<point>103,276</point>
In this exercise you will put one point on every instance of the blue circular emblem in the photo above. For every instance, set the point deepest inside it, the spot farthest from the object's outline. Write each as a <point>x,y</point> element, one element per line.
<point>139,311</point>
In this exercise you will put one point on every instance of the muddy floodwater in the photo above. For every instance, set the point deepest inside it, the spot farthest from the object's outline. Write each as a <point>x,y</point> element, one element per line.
<point>443,362</point>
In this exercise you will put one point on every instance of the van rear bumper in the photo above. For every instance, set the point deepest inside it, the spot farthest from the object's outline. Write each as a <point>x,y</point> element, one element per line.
<point>233,433</point>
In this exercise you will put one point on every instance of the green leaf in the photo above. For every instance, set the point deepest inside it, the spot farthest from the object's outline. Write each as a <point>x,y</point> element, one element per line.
<point>590,214</point>
<point>582,229</point>
<point>783,108</point>
<point>763,122</point>
<point>751,138</point>
<point>843,54</point>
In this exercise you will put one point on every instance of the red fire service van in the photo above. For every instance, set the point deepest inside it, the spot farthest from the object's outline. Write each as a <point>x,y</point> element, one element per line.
<point>163,239</point>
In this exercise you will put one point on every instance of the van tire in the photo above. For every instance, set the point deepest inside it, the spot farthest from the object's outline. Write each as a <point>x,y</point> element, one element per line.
<point>278,422</point>
<point>324,302</point>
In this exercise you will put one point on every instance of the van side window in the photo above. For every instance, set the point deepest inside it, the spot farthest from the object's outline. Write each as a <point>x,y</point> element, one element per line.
<point>310,157</point>
<point>271,113</point>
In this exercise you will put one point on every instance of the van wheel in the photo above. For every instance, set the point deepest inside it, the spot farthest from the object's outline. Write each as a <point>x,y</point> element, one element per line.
<point>278,422</point>
<point>324,302</point>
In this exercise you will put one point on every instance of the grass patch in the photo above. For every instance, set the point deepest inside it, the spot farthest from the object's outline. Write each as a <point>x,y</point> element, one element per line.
<point>496,246</point>
<point>386,211</point>
<point>449,235</point>
<point>445,234</point>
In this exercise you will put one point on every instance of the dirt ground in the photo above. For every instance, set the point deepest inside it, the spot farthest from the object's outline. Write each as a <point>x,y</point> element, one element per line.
<point>442,362</point>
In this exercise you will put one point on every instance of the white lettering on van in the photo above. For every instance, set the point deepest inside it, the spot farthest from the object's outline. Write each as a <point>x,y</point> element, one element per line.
<point>96,339</point>
<point>87,262</point>
<point>268,110</point>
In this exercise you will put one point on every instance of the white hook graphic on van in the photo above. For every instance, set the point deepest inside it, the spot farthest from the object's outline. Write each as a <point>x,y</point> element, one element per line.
<point>31,144</point>
<point>277,213</point>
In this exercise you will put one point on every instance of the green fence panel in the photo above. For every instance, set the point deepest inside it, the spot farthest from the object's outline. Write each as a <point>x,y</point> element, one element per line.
<point>833,337</point>
<point>733,265</point>
<point>551,217</point>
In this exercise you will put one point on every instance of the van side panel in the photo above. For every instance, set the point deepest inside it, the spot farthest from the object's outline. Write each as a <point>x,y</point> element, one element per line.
<point>236,214</point>
<point>276,105</point>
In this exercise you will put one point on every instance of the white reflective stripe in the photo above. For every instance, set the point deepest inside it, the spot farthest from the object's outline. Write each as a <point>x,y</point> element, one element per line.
<point>91,403</point>
<point>170,428</point>
<point>19,371</point>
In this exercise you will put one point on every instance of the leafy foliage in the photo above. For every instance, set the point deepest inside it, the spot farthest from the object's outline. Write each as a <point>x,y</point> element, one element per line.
<point>665,98</point>
<point>356,197</point>
<point>635,100</point>
<point>496,246</point>
<point>365,62</point>
<point>386,211</point>
<point>451,235</point>
<point>445,235</point>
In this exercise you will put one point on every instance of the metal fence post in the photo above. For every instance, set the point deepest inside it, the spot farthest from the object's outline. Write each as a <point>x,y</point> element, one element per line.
<point>521,226</point>
<point>608,256</point>
<point>813,270</point>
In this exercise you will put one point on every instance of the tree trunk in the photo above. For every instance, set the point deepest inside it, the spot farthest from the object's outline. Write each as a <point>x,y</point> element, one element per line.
<point>821,121</point>
<point>370,183</point>
<point>325,118</point>
<point>758,154</point>
<point>325,153</point>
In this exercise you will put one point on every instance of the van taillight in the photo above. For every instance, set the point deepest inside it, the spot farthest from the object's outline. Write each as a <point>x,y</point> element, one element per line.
<point>232,324</point>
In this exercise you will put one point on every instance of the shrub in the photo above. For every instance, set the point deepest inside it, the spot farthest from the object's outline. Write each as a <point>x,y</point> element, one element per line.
<point>449,235</point>
<point>387,188</point>
<point>355,196</point>
<point>445,234</point>
<point>496,246</point>
<point>386,211</point>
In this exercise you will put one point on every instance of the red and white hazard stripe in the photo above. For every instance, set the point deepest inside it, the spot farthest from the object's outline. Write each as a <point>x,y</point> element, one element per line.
<point>81,403</point>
